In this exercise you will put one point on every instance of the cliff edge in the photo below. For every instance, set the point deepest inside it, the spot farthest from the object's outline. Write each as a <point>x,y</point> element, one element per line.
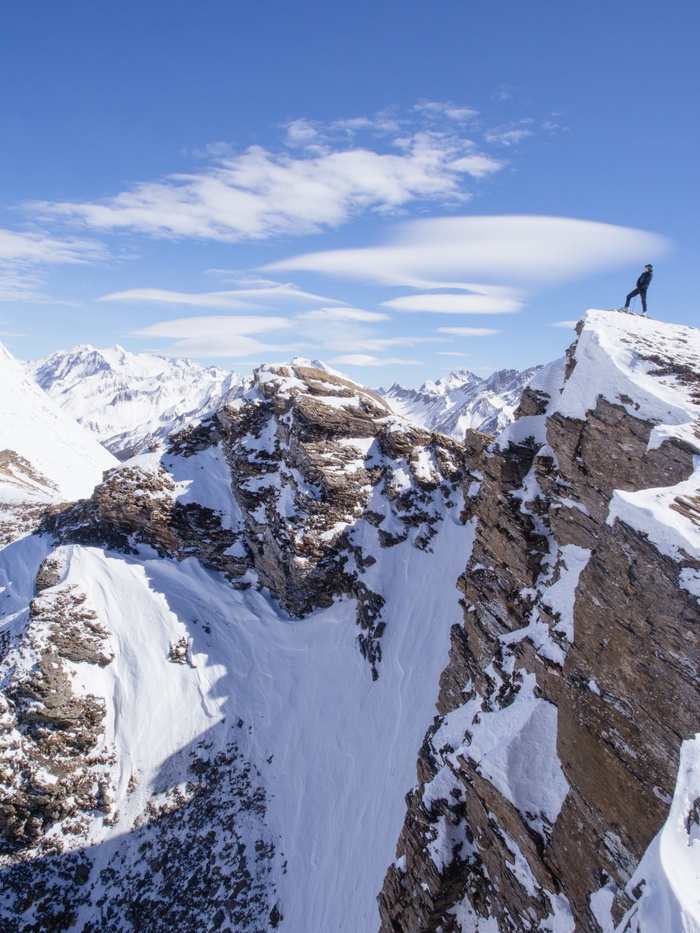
<point>559,786</point>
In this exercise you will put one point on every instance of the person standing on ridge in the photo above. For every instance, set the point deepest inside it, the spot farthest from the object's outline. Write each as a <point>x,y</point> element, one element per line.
<point>641,289</point>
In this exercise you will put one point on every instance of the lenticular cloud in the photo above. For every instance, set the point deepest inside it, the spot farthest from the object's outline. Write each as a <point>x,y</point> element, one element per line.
<point>512,251</point>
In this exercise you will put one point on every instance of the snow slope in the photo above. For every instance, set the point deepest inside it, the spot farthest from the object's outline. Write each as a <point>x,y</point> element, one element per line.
<point>129,401</point>
<point>59,459</point>
<point>336,750</point>
<point>200,666</point>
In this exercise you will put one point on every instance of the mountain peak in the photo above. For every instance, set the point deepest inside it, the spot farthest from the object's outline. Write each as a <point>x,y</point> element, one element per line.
<point>220,665</point>
<point>133,401</point>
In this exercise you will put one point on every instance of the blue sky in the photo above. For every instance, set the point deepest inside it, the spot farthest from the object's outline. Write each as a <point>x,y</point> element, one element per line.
<point>398,189</point>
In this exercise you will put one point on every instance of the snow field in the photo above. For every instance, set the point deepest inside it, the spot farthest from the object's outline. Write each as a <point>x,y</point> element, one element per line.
<point>55,446</point>
<point>336,750</point>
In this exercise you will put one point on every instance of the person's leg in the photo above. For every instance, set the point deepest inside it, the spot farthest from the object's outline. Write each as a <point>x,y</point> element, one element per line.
<point>630,296</point>
<point>643,295</point>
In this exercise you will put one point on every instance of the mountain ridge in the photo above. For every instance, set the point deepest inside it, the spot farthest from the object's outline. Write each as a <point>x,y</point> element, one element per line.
<point>131,401</point>
<point>257,618</point>
<point>463,401</point>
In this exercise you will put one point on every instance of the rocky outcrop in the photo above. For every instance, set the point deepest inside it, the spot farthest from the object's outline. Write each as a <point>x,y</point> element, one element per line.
<point>189,865</point>
<point>136,506</point>
<point>54,770</point>
<point>311,458</point>
<point>572,682</point>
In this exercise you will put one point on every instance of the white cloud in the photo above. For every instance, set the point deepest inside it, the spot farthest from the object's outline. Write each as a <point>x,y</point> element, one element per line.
<point>18,285</point>
<point>468,331</point>
<point>444,109</point>
<point>235,325</point>
<point>220,336</point>
<point>478,166</point>
<point>511,134</point>
<point>568,324</point>
<point>265,294</point>
<point>323,179</point>
<point>511,253</point>
<point>363,359</point>
<point>379,343</point>
<point>344,329</point>
<point>454,304</point>
<point>23,256</point>
<point>301,133</point>
<point>41,248</point>
<point>343,314</point>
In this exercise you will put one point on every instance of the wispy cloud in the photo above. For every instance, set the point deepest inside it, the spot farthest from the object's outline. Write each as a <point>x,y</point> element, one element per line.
<point>323,330</point>
<point>378,344</point>
<point>468,331</point>
<point>42,248</point>
<point>441,303</point>
<point>24,256</point>
<point>220,336</point>
<point>364,359</point>
<point>512,133</point>
<point>503,258</point>
<point>325,175</point>
<point>568,324</point>
<point>444,109</point>
<point>263,295</point>
<point>343,315</point>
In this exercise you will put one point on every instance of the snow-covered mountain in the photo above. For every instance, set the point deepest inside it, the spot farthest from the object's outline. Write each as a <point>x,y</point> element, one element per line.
<point>44,455</point>
<point>133,401</point>
<point>130,401</point>
<point>462,401</point>
<point>560,784</point>
<point>220,668</point>
<point>218,695</point>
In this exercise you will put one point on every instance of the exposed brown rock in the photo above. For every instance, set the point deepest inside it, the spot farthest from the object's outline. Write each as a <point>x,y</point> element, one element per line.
<point>630,673</point>
<point>306,451</point>
<point>51,740</point>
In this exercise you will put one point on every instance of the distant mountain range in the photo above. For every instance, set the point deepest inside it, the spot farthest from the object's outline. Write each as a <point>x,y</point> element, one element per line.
<point>306,666</point>
<point>131,402</point>
<point>462,400</point>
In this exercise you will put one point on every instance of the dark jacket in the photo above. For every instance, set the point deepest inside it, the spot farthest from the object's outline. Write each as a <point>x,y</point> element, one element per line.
<point>644,279</point>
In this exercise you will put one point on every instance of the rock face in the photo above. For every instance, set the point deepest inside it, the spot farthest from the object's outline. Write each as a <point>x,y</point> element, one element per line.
<point>307,454</point>
<point>217,666</point>
<point>233,581</point>
<point>572,682</point>
<point>51,780</point>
